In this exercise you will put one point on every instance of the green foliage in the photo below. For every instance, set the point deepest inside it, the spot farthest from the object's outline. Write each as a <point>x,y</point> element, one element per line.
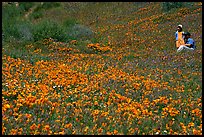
<point>80,32</point>
<point>41,7</point>
<point>18,29</point>
<point>25,6</point>
<point>167,6</point>
<point>24,28</point>
<point>36,15</point>
<point>10,16</point>
<point>70,22</point>
<point>10,11</point>
<point>48,5</point>
<point>48,29</point>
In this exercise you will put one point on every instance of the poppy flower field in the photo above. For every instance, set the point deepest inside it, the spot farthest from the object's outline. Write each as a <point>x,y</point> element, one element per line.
<point>132,82</point>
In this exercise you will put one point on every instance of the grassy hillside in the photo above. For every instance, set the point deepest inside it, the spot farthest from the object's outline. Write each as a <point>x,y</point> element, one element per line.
<point>100,68</point>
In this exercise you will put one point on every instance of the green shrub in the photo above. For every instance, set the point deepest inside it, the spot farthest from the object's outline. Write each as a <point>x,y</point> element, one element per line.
<point>10,15</point>
<point>8,31</point>
<point>36,15</point>
<point>13,26</point>
<point>70,23</point>
<point>167,6</point>
<point>48,5</point>
<point>24,29</point>
<point>79,31</point>
<point>25,6</point>
<point>18,29</point>
<point>49,29</point>
<point>10,11</point>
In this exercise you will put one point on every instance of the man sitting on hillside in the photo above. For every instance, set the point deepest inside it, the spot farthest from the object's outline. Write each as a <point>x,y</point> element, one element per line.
<point>189,43</point>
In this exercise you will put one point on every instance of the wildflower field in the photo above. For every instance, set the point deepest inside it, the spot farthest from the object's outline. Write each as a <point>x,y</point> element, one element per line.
<point>125,79</point>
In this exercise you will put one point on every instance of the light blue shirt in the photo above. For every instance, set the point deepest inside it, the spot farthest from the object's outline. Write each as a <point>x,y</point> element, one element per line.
<point>192,42</point>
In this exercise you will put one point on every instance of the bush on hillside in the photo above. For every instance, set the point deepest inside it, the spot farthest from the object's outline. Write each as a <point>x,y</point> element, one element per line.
<point>69,22</point>
<point>25,31</point>
<point>48,5</point>
<point>10,15</point>
<point>17,29</point>
<point>167,6</point>
<point>80,32</point>
<point>25,6</point>
<point>49,29</point>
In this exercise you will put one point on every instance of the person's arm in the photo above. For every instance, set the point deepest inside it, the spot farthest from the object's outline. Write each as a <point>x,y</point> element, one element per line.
<point>189,43</point>
<point>176,35</point>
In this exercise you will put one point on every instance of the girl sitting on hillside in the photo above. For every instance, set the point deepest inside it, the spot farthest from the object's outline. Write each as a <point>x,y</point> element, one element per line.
<point>179,36</point>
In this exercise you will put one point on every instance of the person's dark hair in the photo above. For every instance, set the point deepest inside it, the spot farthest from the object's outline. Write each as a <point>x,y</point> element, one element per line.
<point>187,34</point>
